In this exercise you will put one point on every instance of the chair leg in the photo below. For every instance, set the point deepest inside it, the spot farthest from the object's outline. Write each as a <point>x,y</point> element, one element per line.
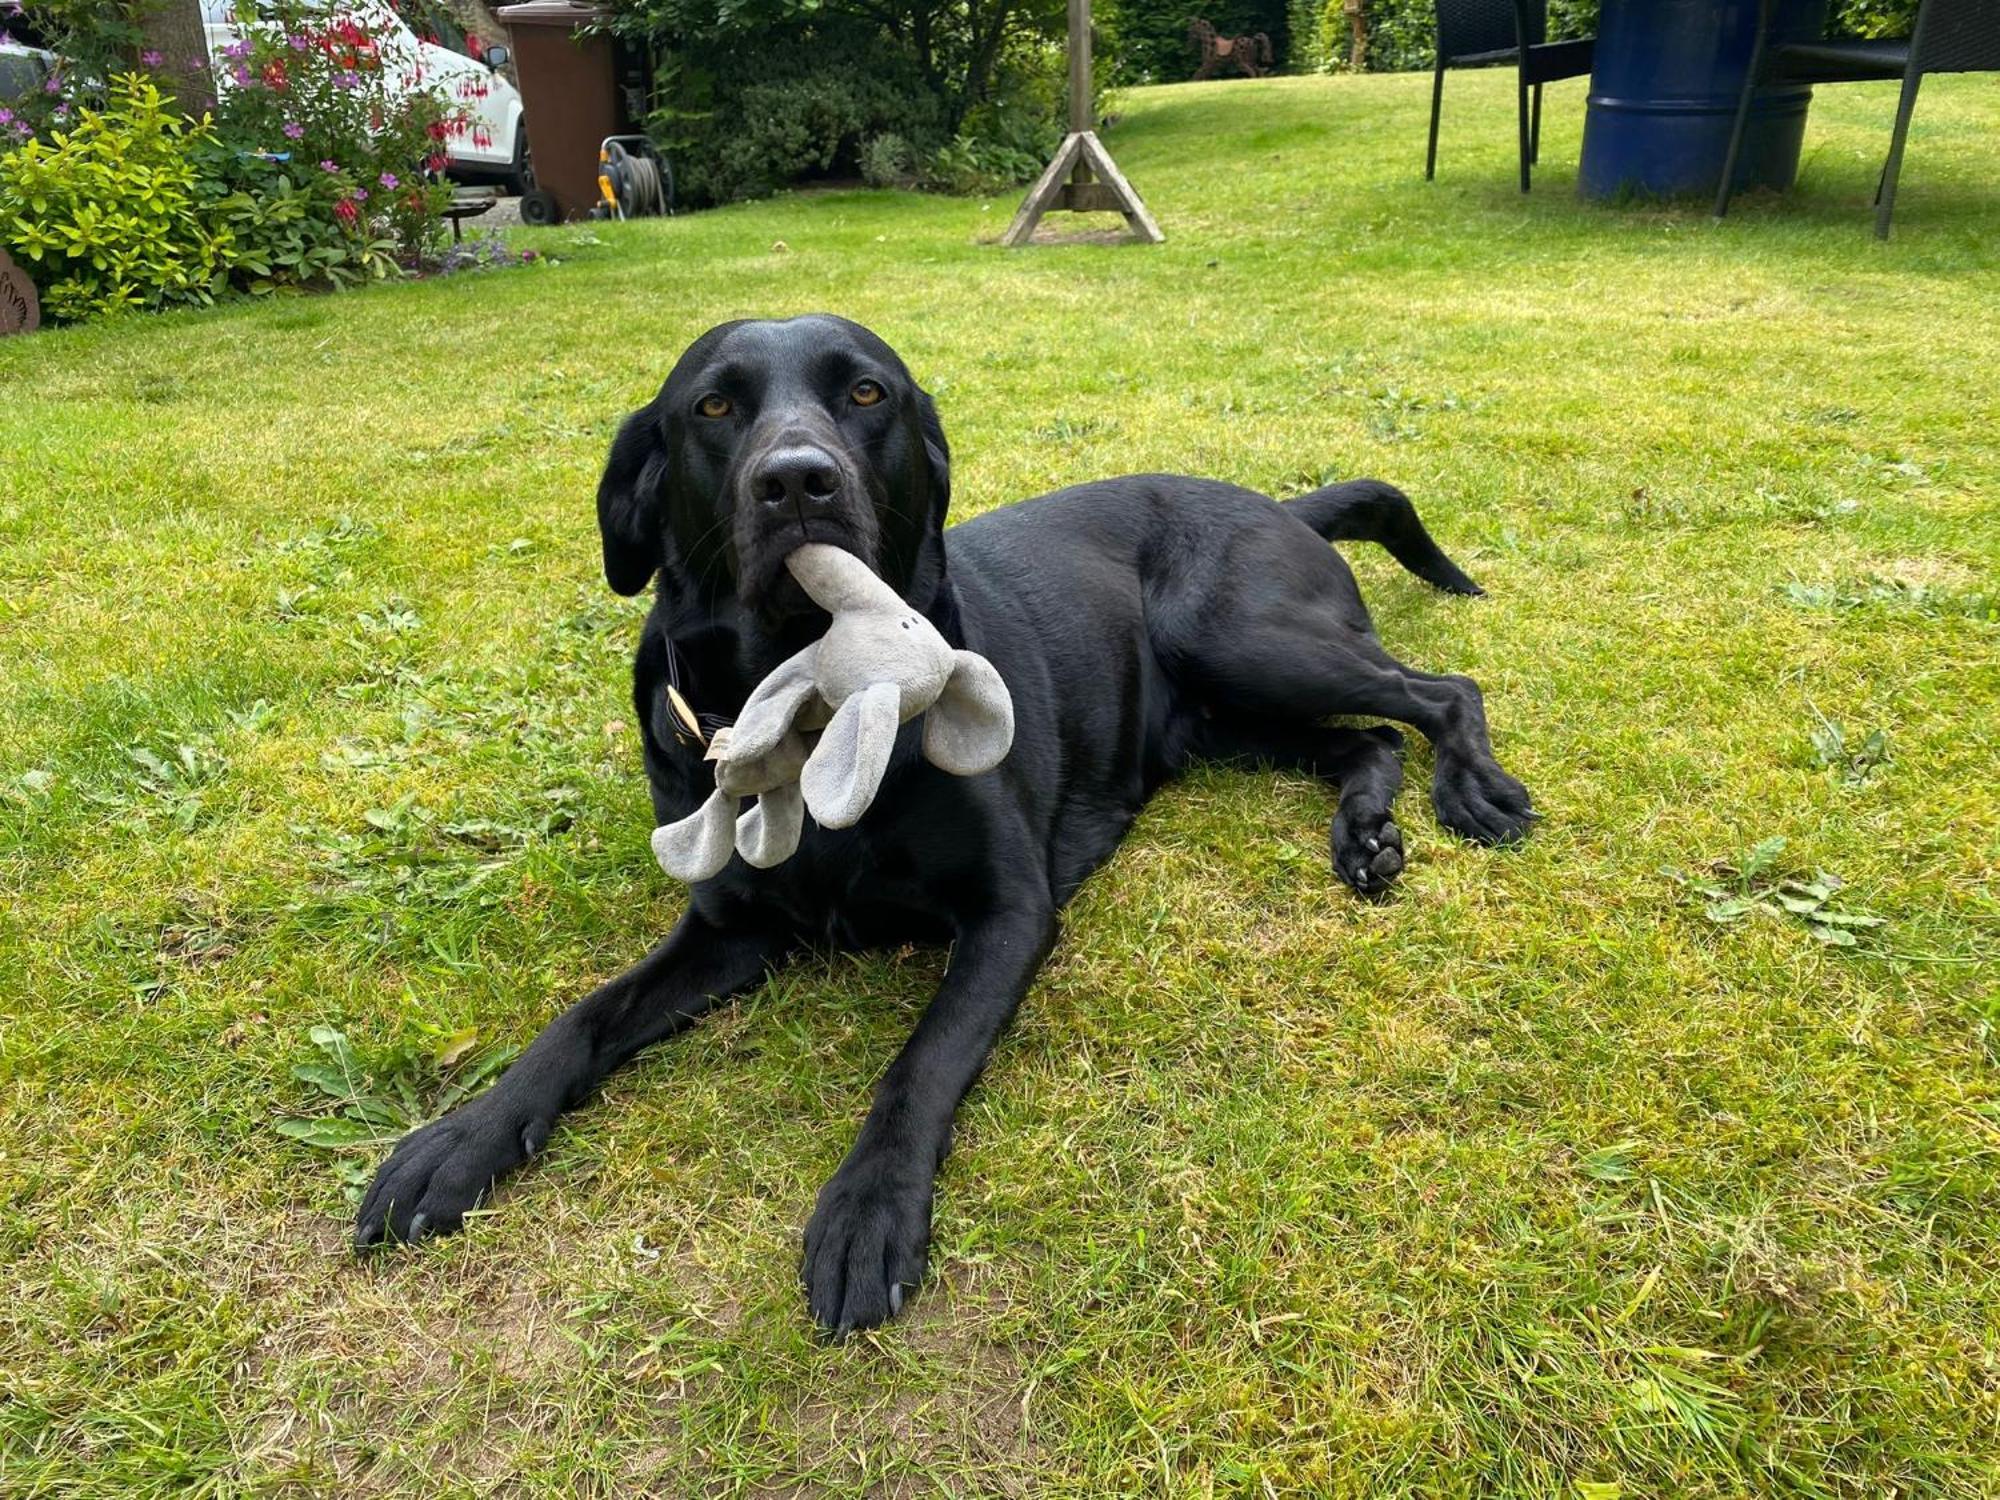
<point>1437,103</point>
<point>1535,130</point>
<point>1521,90</point>
<point>1886,194</point>
<point>1727,186</point>
<point>1751,77</point>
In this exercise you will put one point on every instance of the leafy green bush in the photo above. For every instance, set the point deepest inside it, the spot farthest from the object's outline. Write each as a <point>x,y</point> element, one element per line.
<point>794,107</point>
<point>290,227</point>
<point>886,160</point>
<point>1402,34</point>
<point>756,94</point>
<point>321,89</point>
<point>109,216</point>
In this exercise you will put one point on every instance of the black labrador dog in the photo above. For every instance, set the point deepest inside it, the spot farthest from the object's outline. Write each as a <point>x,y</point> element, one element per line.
<point>1141,624</point>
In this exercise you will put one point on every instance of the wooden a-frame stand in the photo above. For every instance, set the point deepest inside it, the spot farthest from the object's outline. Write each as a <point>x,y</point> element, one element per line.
<point>1082,177</point>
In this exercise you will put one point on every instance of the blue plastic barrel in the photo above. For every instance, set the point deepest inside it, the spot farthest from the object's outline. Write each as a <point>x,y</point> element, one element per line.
<point>1663,91</point>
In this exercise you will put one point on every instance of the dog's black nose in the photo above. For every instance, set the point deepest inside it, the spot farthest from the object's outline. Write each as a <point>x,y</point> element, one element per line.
<point>799,476</point>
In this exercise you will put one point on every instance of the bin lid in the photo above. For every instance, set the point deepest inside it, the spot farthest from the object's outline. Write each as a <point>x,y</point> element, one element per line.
<point>551,13</point>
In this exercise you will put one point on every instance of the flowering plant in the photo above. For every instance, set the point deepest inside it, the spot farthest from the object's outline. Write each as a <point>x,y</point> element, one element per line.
<point>338,91</point>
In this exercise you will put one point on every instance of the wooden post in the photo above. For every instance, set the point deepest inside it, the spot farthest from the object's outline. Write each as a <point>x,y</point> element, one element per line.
<point>1081,177</point>
<point>1079,67</point>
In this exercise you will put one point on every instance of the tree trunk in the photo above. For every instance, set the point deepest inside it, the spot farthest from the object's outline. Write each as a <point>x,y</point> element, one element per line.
<point>985,53</point>
<point>173,30</point>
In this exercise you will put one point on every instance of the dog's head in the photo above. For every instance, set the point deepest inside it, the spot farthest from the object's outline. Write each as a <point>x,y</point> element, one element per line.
<point>768,435</point>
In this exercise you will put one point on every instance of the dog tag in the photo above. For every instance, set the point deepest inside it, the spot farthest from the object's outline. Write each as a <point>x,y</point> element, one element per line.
<point>685,715</point>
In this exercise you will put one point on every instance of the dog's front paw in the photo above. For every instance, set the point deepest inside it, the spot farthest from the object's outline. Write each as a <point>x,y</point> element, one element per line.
<point>438,1173</point>
<point>1477,800</point>
<point>866,1244</point>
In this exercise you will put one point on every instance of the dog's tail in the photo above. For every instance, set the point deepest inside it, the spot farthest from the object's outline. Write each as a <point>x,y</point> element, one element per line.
<point>1367,510</point>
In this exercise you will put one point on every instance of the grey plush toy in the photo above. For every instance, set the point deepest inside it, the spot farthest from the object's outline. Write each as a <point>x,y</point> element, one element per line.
<point>817,733</point>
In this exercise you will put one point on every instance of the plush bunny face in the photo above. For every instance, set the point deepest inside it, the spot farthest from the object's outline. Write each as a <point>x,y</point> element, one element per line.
<point>899,647</point>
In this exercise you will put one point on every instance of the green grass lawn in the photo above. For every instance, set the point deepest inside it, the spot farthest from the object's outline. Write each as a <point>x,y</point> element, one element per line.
<point>1536,1180</point>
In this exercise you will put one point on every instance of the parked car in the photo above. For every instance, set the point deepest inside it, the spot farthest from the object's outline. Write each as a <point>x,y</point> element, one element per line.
<point>22,70</point>
<point>426,48</point>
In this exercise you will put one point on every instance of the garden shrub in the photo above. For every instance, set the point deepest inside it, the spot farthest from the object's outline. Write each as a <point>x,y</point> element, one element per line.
<point>318,167</point>
<point>886,160</point>
<point>794,108</point>
<point>1402,34</point>
<point>320,92</point>
<point>291,226</point>
<point>108,216</point>
<point>761,93</point>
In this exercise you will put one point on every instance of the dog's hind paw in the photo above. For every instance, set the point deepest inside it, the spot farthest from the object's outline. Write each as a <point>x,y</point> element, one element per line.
<point>1367,849</point>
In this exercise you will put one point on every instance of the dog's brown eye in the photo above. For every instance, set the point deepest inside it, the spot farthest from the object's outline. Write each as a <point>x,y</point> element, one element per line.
<point>866,393</point>
<point>713,406</point>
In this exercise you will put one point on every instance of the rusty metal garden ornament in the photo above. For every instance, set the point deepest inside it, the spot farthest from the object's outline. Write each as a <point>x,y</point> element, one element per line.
<point>20,309</point>
<point>1249,55</point>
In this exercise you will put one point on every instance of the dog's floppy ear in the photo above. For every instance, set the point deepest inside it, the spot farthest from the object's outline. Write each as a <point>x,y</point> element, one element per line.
<point>629,500</point>
<point>937,452</point>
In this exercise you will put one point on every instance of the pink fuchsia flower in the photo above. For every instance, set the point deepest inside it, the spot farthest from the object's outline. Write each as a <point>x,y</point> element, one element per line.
<point>6,116</point>
<point>52,84</point>
<point>150,58</point>
<point>361,195</point>
<point>293,130</point>
<point>349,80</point>
<point>329,166</point>
<point>297,43</point>
<point>529,257</point>
<point>238,50</point>
<point>388,180</point>
<point>242,76</point>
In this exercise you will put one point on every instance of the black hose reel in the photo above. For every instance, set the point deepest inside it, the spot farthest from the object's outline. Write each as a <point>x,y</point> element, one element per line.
<point>633,180</point>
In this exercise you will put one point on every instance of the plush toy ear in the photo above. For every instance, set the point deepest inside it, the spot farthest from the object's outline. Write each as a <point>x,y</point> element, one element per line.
<point>629,500</point>
<point>699,845</point>
<point>970,728</point>
<point>847,765</point>
<point>772,707</point>
<point>768,834</point>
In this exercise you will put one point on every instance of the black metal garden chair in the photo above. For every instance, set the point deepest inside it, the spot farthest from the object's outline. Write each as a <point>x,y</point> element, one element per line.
<point>1951,36</point>
<point>1481,33</point>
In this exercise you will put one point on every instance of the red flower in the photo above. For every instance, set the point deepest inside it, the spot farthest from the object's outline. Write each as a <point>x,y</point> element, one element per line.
<point>345,211</point>
<point>274,77</point>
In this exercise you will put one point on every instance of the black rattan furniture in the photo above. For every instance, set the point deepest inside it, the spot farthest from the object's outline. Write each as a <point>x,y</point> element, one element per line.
<point>1481,33</point>
<point>1951,36</point>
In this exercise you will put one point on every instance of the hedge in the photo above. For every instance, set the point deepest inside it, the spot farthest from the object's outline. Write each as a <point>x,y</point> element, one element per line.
<point>1401,32</point>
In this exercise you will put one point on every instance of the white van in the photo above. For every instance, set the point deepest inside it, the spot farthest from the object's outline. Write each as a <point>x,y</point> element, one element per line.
<point>494,144</point>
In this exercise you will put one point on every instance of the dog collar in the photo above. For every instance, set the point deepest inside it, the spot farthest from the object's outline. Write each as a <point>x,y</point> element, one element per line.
<point>690,727</point>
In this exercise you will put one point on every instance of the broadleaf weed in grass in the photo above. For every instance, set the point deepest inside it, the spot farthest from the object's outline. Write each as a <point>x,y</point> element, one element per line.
<point>1745,888</point>
<point>369,1103</point>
